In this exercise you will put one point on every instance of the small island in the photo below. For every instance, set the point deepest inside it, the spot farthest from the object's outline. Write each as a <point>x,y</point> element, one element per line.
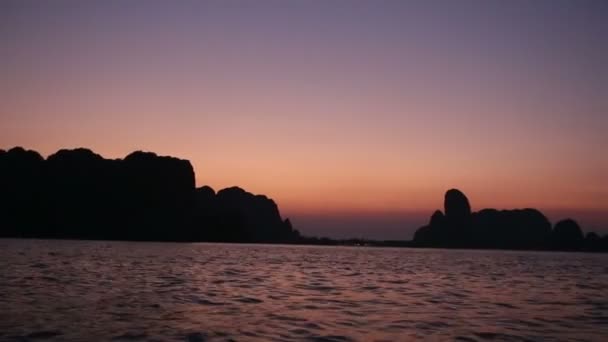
<point>526,229</point>
<point>78,194</point>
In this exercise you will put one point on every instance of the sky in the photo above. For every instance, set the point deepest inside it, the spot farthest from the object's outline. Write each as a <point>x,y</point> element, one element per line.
<point>355,116</point>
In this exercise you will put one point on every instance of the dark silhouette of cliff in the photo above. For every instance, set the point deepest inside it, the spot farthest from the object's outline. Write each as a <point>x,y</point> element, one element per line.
<point>79,194</point>
<point>235,215</point>
<point>567,235</point>
<point>505,229</point>
<point>21,202</point>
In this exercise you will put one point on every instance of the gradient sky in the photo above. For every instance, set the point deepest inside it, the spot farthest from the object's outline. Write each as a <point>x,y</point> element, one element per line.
<point>355,116</point>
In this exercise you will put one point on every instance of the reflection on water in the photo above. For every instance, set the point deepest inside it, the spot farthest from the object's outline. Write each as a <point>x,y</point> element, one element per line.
<point>77,290</point>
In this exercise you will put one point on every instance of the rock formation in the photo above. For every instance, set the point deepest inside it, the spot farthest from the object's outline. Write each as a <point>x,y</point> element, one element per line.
<point>20,190</point>
<point>79,194</point>
<point>567,235</point>
<point>457,208</point>
<point>490,228</point>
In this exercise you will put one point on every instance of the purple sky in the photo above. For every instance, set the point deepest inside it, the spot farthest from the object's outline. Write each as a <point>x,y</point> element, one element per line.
<point>355,116</point>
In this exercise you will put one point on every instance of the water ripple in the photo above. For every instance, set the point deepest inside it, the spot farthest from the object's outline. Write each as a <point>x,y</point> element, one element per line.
<point>76,290</point>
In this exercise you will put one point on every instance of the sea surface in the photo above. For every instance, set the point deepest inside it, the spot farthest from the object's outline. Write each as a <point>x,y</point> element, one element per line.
<point>141,291</point>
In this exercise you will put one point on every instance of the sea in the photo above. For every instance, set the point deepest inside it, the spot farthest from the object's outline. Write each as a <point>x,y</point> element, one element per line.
<point>63,290</point>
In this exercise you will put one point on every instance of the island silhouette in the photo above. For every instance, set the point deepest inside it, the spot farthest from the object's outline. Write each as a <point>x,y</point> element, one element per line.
<point>78,194</point>
<point>501,229</point>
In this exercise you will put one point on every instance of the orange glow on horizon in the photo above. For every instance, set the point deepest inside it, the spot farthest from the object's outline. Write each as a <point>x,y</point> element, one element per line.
<point>376,111</point>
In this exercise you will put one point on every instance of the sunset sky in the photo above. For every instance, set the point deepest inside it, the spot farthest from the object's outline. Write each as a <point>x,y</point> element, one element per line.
<point>355,116</point>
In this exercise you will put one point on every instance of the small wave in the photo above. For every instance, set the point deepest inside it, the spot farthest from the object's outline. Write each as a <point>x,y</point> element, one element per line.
<point>50,279</point>
<point>43,335</point>
<point>249,300</point>
<point>347,323</point>
<point>313,326</point>
<point>130,336</point>
<point>331,338</point>
<point>207,302</point>
<point>370,288</point>
<point>299,331</point>
<point>232,272</point>
<point>196,337</point>
<point>465,338</point>
<point>498,336</point>
<point>318,287</point>
<point>285,318</point>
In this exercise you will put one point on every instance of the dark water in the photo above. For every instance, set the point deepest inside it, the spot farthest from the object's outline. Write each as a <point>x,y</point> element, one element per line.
<point>77,290</point>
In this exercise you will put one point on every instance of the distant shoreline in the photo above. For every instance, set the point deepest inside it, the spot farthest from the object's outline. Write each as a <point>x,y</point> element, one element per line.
<point>334,243</point>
